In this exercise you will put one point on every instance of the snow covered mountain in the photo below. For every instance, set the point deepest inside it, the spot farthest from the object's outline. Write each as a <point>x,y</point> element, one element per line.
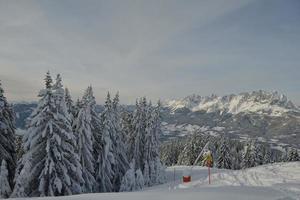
<point>261,102</point>
<point>266,116</point>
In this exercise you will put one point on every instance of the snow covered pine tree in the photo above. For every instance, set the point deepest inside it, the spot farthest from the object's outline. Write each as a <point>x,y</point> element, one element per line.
<point>106,161</point>
<point>83,131</point>
<point>144,143</point>
<point>70,104</point>
<point>53,168</point>
<point>7,136</point>
<point>293,155</point>
<point>112,160</point>
<point>224,160</point>
<point>152,165</point>
<point>5,189</point>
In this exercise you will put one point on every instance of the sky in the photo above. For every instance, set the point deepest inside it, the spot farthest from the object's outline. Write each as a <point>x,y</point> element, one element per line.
<point>162,49</point>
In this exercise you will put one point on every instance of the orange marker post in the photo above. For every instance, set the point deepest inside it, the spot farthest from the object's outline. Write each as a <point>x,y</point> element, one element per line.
<point>208,175</point>
<point>208,161</point>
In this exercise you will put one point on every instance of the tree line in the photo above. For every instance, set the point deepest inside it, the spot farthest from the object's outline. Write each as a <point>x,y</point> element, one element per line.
<point>227,153</point>
<point>68,148</point>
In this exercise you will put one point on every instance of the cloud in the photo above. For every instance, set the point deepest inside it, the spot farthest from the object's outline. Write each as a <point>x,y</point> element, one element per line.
<point>161,49</point>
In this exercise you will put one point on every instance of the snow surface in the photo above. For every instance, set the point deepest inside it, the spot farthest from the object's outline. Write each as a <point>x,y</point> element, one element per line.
<point>280,181</point>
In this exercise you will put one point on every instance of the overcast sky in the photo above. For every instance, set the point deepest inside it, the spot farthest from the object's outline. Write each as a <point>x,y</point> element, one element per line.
<point>159,48</point>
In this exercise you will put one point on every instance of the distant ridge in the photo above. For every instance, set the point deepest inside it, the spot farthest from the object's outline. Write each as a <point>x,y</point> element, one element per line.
<point>261,102</point>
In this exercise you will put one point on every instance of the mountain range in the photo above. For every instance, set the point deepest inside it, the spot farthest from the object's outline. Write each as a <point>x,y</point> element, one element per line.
<point>266,116</point>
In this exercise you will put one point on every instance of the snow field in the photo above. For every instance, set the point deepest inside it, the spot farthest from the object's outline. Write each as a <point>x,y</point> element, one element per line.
<point>278,181</point>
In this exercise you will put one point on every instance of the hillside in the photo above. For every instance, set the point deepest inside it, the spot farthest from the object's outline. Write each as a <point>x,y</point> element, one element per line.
<point>267,116</point>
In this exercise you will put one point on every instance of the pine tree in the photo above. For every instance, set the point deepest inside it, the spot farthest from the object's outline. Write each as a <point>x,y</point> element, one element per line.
<point>170,151</point>
<point>148,148</point>
<point>152,164</point>
<point>95,123</point>
<point>160,172</point>
<point>19,147</point>
<point>248,156</point>
<point>49,142</point>
<point>139,180</point>
<point>5,189</point>
<point>126,129</point>
<point>258,154</point>
<point>191,149</point>
<point>122,163</point>
<point>70,104</point>
<point>236,155</point>
<point>146,173</point>
<point>293,155</point>
<point>268,156</point>
<point>284,156</point>
<point>128,182</point>
<point>77,107</point>
<point>7,136</point>
<point>106,160</point>
<point>90,101</point>
<point>224,160</point>
<point>22,176</point>
<point>139,133</point>
<point>83,131</point>
<point>113,162</point>
<point>133,179</point>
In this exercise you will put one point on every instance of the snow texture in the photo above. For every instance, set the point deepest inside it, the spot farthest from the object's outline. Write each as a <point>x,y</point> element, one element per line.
<point>279,181</point>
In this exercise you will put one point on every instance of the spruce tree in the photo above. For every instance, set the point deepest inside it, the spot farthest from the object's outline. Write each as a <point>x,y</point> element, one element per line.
<point>7,136</point>
<point>284,156</point>
<point>248,156</point>
<point>95,123</point>
<point>106,160</point>
<point>191,149</point>
<point>126,129</point>
<point>5,189</point>
<point>139,133</point>
<point>267,156</point>
<point>152,164</point>
<point>55,169</point>
<point>236,155</point>
<point>22,176</point>
<point>258,154</point>
<point>157,169</point>
<point>113,162</point>
<point>128,182</point>
<point>293,155</point>
<point>83,130</point>
<point>69,104</point>
<point>224,160</point>
<point>139,180</point>
<point>122,163</point>
<point>148,145</point>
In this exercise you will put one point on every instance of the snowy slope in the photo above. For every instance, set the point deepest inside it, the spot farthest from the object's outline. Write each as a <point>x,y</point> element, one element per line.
<point>275,182</point>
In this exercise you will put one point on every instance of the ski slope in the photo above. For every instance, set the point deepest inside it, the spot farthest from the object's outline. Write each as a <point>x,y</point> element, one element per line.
<point>280,181</point>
